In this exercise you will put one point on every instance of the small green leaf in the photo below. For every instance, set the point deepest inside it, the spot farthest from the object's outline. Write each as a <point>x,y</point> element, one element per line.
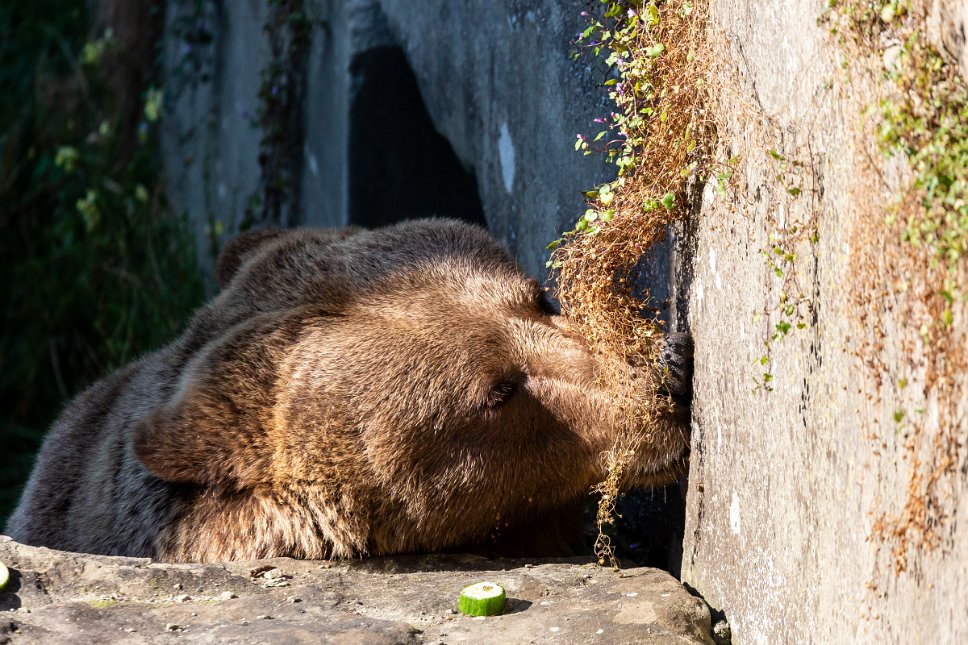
<point>793,190</point>
<point>655,50</point>
<point>154,98</point>
<point>669,200</point>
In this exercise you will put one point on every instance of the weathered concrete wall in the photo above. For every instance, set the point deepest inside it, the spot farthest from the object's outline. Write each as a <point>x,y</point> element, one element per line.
<point>499,84</point>
<point>496,80</point>
<point>786,486</point>
<point>209,145</point>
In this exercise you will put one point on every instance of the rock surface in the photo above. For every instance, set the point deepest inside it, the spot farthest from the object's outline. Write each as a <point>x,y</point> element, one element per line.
<point>58,597</point>
<point>809,514</point>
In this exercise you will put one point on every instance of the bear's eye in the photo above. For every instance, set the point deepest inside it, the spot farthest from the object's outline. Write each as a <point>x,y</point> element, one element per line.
<point>545,303</point>
<point>501,393</point>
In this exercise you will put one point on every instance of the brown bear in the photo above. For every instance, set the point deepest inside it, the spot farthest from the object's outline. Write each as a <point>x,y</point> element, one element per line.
<point>347,393</point>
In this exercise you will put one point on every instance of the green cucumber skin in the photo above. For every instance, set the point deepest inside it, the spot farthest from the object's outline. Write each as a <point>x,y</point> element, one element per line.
<point>481,607</point>
<point>490,607</point>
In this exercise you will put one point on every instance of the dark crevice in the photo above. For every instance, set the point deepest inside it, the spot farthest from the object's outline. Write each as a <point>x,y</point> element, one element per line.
<point>649,527</point>
<point>400,166</point>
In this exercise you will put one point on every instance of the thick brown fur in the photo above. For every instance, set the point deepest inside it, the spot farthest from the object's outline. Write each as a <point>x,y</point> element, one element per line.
<point>347,393</point>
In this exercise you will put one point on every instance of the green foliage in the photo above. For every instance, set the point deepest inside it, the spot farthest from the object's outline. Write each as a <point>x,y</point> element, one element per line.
<point>794,309</point>
<point>928,125</point>
<point>96,269</point>
<point>925,121</point>
<point>648,81</point>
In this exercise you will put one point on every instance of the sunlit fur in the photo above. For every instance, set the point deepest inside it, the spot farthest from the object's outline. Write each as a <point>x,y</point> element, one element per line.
<point>347,393</point>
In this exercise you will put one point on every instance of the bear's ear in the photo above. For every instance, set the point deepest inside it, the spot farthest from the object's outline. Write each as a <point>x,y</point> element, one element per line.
<point>193,440</point>
<point>217,428</point>
<point>239,249</point>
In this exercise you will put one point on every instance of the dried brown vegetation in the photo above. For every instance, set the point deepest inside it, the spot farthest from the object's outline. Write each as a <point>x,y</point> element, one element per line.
<point>910,231</point>
<point>661,138</point>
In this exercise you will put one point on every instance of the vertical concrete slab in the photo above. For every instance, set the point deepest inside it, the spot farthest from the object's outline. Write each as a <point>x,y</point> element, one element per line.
<point>209,141</point>
<point>500,86</point>
<point>786,486</point>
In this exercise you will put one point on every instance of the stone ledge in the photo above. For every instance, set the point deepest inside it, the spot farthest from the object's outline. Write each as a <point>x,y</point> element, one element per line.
<point>60,597</point>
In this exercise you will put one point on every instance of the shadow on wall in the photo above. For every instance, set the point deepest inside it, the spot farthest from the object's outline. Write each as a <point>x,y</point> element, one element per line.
<point>400,166</point>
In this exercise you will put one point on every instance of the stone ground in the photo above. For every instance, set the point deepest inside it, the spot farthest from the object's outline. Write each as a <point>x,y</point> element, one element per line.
<point>59,597</point>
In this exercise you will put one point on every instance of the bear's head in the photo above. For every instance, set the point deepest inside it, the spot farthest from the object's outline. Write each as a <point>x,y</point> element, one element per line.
<point>405,388</point>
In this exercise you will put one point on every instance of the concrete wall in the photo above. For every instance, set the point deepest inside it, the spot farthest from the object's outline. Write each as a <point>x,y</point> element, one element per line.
<point>786,486</point>
<point>501,102</point>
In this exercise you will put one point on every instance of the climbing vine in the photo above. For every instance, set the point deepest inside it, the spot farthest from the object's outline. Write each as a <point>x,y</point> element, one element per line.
<point>660,137</point>
<point>280,116</point>
<point>920,119</point>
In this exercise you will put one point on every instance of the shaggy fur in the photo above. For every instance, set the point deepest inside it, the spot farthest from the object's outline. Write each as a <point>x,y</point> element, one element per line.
<point>348,393</point>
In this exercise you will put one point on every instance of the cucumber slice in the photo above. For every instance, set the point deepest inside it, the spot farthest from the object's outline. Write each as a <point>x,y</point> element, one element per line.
<point>4,575</point>
<point>482,599</point>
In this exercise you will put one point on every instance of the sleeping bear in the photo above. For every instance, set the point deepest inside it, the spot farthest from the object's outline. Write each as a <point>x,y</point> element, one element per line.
<point>348,393</point>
